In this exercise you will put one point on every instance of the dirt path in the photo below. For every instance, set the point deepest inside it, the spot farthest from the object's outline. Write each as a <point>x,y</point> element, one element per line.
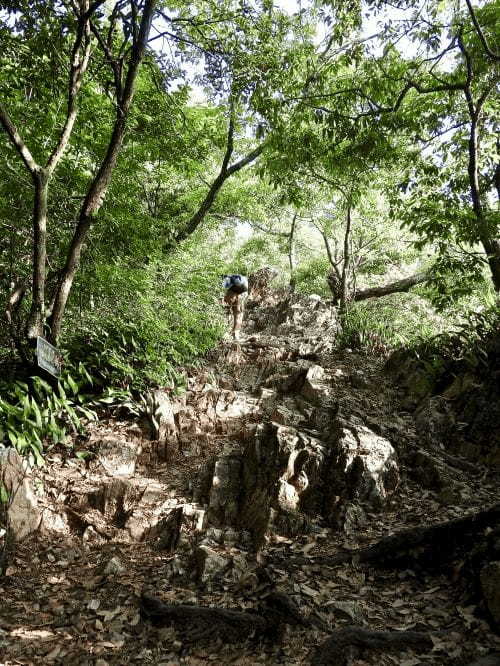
<point>185,528</point>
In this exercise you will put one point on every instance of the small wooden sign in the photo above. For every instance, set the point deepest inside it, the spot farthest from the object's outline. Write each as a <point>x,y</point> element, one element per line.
<point>49,358</point>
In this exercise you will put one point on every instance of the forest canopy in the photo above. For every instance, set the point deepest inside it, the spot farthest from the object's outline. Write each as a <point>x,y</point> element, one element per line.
<point>149,146</point>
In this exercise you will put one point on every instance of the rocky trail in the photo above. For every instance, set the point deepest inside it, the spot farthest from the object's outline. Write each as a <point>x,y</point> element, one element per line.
<point>255,520</point>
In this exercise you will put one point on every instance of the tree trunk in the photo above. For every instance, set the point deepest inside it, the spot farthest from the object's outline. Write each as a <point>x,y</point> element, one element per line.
<point>399,286</point>
<point>41,175</point>
<point>291,253</point>
<point>344,296</point>
<point>100,184</point>
<point>37,311</point>
<point>490,244</point>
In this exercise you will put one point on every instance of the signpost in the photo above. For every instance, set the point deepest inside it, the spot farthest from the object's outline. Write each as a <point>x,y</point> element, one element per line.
<point>49,358</point>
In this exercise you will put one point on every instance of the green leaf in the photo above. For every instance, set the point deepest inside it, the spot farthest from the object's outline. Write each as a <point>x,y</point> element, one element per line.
<point>83,455</point>
<point>4,495</point>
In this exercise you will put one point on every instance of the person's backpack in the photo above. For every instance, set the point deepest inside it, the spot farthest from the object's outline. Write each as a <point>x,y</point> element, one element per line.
<point>236,283</point>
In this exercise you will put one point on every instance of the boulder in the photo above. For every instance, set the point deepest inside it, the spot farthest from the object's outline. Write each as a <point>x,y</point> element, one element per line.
<point>208,563</point>
<point>117,456</point>
<point>167,531</point>
<point>315,388</point>
<point>362,467</point>
<point>280,473</point>
<point>225,490</point>
<point>233,405</point>
<point>307,324</point>
<point>22,514</point>
<point>289,378</point>
<point>161,412</point>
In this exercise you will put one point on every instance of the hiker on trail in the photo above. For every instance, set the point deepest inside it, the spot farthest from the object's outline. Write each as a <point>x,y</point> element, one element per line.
<point>236,292</point>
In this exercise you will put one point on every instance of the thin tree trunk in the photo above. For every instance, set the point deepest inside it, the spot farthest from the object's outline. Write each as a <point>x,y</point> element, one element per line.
<point>344,296</point>
<point>490,244</point>
<point>291,253</point>
<point>37,311</point>
<point>41,176</point>
<point>100,184</point>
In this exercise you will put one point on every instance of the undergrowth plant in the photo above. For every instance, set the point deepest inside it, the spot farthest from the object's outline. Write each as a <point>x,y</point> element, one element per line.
<point>148,321</point>
<point>468,343</point>
<point>311,277</point>
<point>382,324</point>
<point>35,415</point>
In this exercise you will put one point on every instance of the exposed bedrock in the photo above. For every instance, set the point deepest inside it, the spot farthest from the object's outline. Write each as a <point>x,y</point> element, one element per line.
<point>285,475</point>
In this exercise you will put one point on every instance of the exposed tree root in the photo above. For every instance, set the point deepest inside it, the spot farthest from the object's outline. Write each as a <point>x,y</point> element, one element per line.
<point>350,641</point>
<point>231,625</point>
<point>430,546</point>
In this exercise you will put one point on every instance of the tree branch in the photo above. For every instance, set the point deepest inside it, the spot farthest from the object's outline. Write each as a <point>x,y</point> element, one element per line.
<point>17,141</point>
<point>394,287</point>
<point>334,264</point>
<point>480,33</point>
<point>115,68</point>
<point>79,63</point>
<point>248,159</point>
<point>224,173</point>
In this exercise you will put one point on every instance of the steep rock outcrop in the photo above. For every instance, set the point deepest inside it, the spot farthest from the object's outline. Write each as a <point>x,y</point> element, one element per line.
<point>455,396</point>
<point>362,467</point>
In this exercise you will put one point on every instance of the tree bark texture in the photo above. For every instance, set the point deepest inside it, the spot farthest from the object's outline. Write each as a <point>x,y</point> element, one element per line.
<point>37,311</point>
<point>41,176</point>
<point>200,622</point>
<point>490,244</point>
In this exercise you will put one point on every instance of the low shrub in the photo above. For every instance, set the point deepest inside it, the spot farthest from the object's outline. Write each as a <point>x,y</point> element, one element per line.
<point>382,324</point>
<point>148,322</point>
<point>310,277</point>
<point>468,343</point>
<point>36,414</point>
